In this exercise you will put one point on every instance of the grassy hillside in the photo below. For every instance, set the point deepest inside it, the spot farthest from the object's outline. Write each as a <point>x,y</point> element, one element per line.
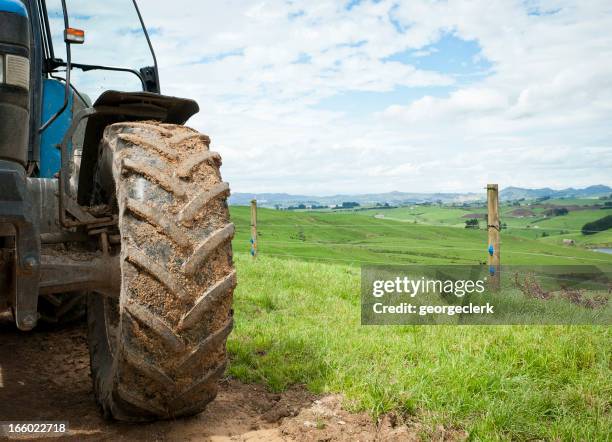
<point>298,322</point>
<point>348,238</point>
<point>573,221</point>
<point>540,226</point>
<point>576,201</point>
<point>432,215</point>
<point>527,221</point>
<point>601,239</point>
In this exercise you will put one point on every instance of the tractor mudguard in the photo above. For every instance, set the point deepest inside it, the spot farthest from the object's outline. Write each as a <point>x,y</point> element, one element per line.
<point>112,107</point>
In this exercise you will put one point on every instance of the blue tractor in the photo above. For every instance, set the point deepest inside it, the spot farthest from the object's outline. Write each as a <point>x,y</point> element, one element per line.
<point>112,206</point>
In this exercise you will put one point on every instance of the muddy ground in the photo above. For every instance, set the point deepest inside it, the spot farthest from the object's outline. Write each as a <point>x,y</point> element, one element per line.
<point>44,375</point>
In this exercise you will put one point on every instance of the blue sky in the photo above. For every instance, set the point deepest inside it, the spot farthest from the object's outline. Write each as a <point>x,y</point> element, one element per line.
<point>324,97</point>
<point>450,55</point>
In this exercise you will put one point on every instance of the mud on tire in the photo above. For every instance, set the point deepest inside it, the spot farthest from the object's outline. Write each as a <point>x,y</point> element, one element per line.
<point>158,351</point>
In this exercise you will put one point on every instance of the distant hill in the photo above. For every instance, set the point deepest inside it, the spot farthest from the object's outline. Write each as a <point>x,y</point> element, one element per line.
<point>392,198</point>
<point>404,198</point>
<point>514,193</point>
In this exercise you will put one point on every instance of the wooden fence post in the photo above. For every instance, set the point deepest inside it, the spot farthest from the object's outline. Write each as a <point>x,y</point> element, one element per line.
<point>254,228</point>
<point>494,228</point>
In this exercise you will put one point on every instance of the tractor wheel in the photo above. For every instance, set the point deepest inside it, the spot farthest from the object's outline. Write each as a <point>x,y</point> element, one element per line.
<point>158,350</point>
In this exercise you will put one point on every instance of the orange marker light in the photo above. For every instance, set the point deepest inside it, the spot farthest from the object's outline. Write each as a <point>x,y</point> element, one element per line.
<point>72,35</point>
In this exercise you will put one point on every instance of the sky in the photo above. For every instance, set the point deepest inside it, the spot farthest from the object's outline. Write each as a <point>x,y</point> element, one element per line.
<point>326,97</point>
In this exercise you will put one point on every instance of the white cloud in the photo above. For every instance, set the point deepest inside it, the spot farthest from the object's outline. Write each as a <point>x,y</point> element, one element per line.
<point>259,69</point>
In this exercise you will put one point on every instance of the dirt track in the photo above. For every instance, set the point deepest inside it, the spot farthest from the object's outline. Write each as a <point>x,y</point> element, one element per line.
<point>45,376</point>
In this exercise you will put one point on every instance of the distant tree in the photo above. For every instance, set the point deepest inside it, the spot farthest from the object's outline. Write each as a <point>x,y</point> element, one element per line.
<point>349,204</point>
<point>299,206</point>
<point>608,204</point>
<point>544,234</point>
<point>472,223</point>
<point>599,225</point>
<point>557,211</point>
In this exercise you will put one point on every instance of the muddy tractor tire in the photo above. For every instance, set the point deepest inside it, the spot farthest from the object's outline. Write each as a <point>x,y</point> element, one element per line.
<point>158,350</point>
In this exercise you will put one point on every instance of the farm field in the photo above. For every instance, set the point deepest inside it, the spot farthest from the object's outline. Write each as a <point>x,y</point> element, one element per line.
<point>573,201</point>
<point>297,311</point>
<point>570,224</point>
<point>534,224</point>
<point>600,239</point>
<point>432,215</point>
<point>354,238</point>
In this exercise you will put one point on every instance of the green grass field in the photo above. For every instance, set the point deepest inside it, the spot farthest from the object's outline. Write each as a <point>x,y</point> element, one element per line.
<point>601,239</point>
<point>531,227</point>
<point>431,215</point>
<point>299,323</point>
<point>348,238</point>
<point>297,314</point>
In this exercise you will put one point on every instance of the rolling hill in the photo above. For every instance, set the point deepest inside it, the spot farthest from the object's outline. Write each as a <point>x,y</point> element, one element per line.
<point>402,198</point>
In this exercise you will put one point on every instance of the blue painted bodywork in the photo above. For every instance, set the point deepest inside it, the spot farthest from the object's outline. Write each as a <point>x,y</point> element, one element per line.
<point>53,99</point>
<point>14,6</point>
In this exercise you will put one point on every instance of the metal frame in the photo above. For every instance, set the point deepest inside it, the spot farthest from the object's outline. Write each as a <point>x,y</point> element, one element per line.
<point>52,63</point>
<point>16,209</point>
<point>36,62</point>
<point>68,70</point>
<point>60,274</point>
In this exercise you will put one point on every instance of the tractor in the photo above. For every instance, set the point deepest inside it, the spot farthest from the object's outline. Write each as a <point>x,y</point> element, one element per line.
<point>112,207</point>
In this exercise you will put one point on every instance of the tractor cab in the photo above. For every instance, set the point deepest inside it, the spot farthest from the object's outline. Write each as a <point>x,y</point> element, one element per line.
<point>76,50</point>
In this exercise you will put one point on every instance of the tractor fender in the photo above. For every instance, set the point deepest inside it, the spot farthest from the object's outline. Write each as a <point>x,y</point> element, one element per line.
<point>113,107</point>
